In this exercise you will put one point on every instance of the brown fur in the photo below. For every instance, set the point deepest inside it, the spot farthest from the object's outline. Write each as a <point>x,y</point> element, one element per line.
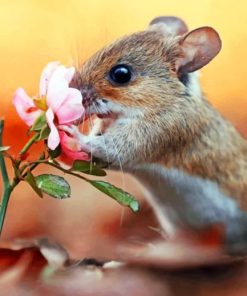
<point>177,128</point>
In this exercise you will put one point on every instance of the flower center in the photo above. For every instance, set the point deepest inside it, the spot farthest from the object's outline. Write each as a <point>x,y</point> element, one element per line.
<point>41,103</point>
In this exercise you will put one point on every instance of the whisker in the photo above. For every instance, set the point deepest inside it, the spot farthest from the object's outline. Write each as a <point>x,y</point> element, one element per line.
<point>122,217</point>
<point>83,121</point>
<point>121,168</point>
<point>123,183</point>
<point>116,153</point>
<point>91,149</point>
<point>101,132</point>
<point>75,52</point>
<point>120,164</point>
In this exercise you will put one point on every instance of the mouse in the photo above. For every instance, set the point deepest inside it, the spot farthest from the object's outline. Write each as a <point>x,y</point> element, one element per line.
<point>145,91</point>
<point>195,208</point>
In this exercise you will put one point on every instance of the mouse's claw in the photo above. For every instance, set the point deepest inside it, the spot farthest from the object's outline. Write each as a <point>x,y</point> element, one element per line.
<point>72,130</point>
<point>80,140</point>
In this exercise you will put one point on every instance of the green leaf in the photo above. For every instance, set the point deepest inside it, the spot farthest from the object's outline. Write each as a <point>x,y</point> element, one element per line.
<point>100,163</point>
<point>39,123</point>
<point>44,133</point>
<point>53,185</point>
<point>4,148</point>
<point>30,179</point>
<point>54,153</point>
<point>118,194</point>
<point>87,168</point>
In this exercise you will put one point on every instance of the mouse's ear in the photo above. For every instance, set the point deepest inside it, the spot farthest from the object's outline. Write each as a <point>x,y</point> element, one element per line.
<point>170,25</point>
<point>198,47</point>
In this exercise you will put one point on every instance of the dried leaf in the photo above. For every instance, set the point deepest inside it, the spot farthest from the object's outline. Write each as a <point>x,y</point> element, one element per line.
<point>173,255</point>
<point>4,148</point>
<point>54,253</point>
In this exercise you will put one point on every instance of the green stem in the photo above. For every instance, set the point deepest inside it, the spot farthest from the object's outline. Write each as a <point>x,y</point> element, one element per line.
<point>4,205</point>
<point>6,195</point>
<point>62,169</point>
<point>31,166</point>
<point>7,188</point>
<point>2,161</point>
<point>34,138</point>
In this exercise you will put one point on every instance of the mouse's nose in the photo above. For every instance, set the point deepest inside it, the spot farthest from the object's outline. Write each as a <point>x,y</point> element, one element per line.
<point>88,95</point>
<point>87,92</point>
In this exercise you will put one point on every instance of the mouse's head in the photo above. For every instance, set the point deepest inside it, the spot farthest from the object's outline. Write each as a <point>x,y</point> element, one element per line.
<point>147,70</point>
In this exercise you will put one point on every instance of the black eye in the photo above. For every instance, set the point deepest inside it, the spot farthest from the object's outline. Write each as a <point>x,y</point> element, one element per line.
<point>120,74</point>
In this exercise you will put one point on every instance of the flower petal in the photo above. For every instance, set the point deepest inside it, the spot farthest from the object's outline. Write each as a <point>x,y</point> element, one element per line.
<point>25,107</point>
<point>71,149</point>
<point>71,109</point>
<point>53,138</point>
<point>69,74</point>
<point>58,87</point>
<point>46,76</point>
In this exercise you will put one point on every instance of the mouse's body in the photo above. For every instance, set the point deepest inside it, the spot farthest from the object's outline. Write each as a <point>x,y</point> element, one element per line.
<point>146,88</point>
<point>196,208</point>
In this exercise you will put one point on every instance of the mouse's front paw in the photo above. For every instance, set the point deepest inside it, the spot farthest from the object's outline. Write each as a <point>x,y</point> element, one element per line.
<point>97,146</point>
<point>72,130</point>
<point>79,139</point>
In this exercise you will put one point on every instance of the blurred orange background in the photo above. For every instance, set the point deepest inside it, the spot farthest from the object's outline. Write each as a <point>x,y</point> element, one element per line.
<point>34,32</point>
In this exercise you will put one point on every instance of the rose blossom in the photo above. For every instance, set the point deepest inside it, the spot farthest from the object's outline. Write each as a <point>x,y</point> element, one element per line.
<point>71,149</point>
<point>61,103</point>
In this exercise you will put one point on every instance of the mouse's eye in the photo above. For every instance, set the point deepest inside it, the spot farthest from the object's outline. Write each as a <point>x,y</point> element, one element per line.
<point>120,74</point>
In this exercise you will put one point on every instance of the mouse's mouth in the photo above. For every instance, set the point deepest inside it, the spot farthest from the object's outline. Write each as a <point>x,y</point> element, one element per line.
<point>100,111</point>
<point>99,116</point>
<point>96,106</point>
<point>103,116</point>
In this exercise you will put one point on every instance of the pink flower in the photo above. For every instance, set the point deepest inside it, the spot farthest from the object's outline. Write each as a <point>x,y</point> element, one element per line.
<point>62,104</point>
<point>71,149</point>
<point>25,107</point>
